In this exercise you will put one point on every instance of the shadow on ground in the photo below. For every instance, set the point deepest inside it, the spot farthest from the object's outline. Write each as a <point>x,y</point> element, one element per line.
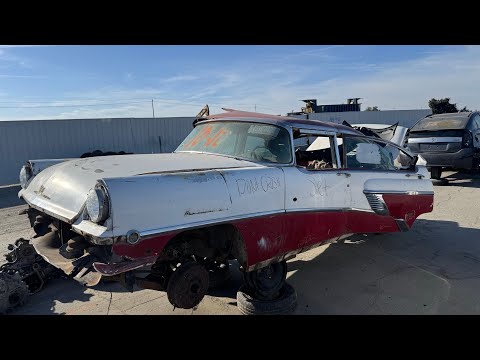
<point>68,297</point>
<point>433,269</point>
<point>59,295</point>
<point>229,289</point>
<point>463,179</point>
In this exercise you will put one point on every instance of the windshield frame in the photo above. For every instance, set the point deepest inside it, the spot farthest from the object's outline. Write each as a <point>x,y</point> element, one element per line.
<point>265,163</point>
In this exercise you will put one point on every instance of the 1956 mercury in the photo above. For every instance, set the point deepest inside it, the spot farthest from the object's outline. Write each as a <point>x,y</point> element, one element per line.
<point>238,187</point>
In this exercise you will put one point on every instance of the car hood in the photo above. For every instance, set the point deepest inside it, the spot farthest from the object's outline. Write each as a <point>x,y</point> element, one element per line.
<point>61,190</point>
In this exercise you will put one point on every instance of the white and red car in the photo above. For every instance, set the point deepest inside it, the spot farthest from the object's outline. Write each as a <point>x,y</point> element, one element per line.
<point>235,188</point>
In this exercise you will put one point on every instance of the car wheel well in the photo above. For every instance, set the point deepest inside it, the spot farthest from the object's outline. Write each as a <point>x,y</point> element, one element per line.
<point>216,243</point>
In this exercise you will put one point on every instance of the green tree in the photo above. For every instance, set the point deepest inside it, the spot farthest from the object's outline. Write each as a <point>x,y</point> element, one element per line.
<point>442,106</point>
<point>464,109</point>
<point>374,108</point>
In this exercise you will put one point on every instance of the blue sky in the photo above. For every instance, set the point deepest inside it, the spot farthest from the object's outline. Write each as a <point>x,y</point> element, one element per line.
<point>39,82</point>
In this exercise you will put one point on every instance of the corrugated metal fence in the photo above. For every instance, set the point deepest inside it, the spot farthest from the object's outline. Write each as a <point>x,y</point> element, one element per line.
<point>53,139</point>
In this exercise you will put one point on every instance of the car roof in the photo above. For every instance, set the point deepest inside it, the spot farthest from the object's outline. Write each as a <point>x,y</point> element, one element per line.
<point>284,121</point>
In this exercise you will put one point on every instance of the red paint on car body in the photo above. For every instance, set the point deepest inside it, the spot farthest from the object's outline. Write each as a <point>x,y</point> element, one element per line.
<point>408,207</point>
<point>270,236</point>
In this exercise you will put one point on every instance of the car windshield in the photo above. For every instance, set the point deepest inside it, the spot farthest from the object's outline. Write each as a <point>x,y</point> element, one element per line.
<point>251,141</point>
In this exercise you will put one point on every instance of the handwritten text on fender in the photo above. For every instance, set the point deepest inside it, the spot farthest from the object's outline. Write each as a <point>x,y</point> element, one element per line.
<point>251,186</point>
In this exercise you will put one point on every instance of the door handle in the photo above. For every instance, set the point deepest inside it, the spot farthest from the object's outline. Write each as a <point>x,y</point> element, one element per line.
<point>342,173</point>
<point>420,176</point>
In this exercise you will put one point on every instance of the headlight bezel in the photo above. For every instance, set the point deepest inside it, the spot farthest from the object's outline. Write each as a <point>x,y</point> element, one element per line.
<point>97,205</point>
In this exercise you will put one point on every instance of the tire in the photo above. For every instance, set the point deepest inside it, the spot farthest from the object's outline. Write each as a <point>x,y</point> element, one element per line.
<point>267,287</point>
<point>284,304</point>
<point>436,173</point>
<point>475,166</point>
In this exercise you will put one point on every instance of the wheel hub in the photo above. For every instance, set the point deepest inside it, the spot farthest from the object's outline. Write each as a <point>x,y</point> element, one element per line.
<point>188,285</point>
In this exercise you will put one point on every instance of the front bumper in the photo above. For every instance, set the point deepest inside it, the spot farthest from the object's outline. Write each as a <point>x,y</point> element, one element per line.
<point>461,159</point>
<point>89,267</point>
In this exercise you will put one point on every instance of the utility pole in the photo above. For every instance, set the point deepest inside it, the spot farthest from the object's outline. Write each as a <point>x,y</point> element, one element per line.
<point>153,110</point>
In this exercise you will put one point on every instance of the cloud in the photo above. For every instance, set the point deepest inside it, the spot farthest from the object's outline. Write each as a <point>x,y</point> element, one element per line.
<point>139,110</point>
<point>180,78</point>
<point>275,85</point>
<point>8,59</point>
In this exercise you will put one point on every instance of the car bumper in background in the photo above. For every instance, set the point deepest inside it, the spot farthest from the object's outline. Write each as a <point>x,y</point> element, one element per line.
<point>461,159</point>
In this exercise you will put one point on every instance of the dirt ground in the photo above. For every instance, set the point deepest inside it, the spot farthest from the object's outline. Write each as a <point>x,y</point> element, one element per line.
<point>432,269</point>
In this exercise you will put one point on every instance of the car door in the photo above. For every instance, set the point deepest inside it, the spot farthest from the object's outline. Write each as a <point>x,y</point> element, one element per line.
<point>316,197</point>
<point>388,190</point>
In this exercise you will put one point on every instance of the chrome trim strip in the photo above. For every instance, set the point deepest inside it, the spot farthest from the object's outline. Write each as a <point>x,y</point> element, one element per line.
<point>404,192</point>
<point>364,210</point>
<point>333,209</point>
<point>435,140</point>
<point>154,232</point>
<point>316,132</point>
<point>149,233</point>
<point>337,152</point>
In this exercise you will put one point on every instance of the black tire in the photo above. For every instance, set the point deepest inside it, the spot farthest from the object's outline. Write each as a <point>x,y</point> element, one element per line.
<point>219,275</point>
<point>436,173</point>
<point>268,280</point>
<point>284,304</point>
<point>188,285</point>
<point>475,166</point>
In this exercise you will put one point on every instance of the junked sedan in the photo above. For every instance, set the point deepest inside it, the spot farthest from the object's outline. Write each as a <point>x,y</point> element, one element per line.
<point>236,188</point>
<point>447,140</point>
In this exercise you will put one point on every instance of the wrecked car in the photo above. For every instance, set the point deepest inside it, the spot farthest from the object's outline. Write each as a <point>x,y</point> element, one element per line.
<point>236,188</point>
<point>447,140</point>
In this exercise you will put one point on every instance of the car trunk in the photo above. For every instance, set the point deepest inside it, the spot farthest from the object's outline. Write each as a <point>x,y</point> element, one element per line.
<point>435,141</point>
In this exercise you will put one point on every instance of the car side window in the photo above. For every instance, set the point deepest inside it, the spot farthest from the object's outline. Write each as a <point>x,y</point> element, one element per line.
<point>476,121</point>
<point>317,154</point>
<point>361,153</point>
